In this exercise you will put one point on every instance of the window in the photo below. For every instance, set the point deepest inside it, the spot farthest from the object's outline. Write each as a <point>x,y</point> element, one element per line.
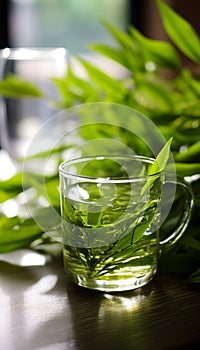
<point>68,23</point>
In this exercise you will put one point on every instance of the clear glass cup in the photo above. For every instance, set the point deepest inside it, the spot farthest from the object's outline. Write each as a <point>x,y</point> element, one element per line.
<point>111,215</point>
<point>21,117</point>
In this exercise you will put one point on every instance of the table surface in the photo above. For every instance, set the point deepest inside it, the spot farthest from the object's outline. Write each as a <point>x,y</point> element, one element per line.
<point>40,308</point>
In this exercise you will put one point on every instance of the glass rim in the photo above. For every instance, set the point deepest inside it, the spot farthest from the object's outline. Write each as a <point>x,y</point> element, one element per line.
<point>33,53</point>
<point>100,179</point>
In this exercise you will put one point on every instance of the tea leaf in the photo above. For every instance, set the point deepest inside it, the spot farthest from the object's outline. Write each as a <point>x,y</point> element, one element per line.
<point>180,31</point>
<point>140,230</point>
<point>161,159</point>
<point>158,166</point>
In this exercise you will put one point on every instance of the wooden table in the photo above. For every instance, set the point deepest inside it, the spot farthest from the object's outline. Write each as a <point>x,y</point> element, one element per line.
<point>41,309</point>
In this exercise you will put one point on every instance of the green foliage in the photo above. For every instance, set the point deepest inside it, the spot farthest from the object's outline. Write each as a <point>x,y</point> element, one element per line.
<point>181,32</point>
<point>161,160</point>
<point>171,100</point>
<point>14,87</point>
<point>159,52</point>
<point>16,233</point>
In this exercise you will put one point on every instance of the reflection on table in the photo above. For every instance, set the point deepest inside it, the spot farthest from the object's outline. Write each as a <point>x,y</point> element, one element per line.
<point>42,309</point>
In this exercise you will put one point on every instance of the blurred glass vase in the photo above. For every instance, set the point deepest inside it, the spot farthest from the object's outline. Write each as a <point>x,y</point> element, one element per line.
<point>27,92</point>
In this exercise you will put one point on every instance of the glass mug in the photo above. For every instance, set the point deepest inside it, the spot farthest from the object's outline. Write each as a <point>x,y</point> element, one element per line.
<point>110,210</point>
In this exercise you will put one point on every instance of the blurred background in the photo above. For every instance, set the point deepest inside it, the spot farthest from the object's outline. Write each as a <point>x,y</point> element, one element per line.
<point>75,24</point>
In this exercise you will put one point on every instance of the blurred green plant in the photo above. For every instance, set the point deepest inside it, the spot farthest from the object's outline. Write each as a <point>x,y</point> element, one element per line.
<point>171,101</point>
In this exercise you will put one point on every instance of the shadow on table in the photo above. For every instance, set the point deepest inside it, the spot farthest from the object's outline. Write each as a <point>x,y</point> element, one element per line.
<point>56,314</point>
<point>159,316</point>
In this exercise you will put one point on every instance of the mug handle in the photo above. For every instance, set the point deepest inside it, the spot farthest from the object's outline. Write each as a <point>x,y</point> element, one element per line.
<point>185,217</point>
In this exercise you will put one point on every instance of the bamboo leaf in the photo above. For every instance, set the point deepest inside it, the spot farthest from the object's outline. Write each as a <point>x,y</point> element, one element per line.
<point>116,55</point>
<point>191,108</point>
<point>123,39</point>
<point>131,53</point>
<point>125,57</point>
<point>5,195</point>
<point>12,184</point>
<point>77,89</point>
<point>14,87</point>
<point>15,234</point>
<point>180,31</point>
<point>190,83</point>
<point>48,152</point>
<point>160,53</point>
<point>190,155</point>
<point>153,95</point>
<point>108,84</point>
<point>187,169</point>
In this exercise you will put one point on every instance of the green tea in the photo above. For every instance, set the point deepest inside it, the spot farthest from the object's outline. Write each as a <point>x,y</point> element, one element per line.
<point>109,233</point>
